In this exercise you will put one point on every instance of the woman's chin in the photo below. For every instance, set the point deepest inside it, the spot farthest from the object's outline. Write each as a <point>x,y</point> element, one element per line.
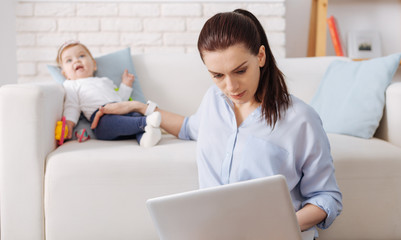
<point>239,102</point>
<point>243,102</point>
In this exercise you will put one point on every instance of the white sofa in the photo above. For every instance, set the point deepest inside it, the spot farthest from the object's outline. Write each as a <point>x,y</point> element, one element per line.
<point>97,190</point>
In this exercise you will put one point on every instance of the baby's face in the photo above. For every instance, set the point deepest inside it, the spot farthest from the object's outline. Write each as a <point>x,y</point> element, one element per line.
<point>76,63</point>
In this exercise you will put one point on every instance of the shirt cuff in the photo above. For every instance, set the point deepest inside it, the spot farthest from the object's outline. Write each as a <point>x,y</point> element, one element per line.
<point>183,134</point>
<point>124,92</point>
<point>328,204</point>
<point>72,116</point>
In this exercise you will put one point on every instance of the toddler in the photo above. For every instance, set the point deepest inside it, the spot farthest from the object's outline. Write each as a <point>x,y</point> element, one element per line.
<point>87,93</point>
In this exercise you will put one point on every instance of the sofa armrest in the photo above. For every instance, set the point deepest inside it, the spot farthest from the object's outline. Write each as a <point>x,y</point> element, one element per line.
<point>390,125</point>
<point>28,116</point>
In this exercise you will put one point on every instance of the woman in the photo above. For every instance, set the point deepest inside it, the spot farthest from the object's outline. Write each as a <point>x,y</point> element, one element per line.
<point>249,126</point>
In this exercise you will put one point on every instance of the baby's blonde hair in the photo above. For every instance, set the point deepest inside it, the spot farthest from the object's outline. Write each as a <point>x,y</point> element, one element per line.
<point>68,44</point>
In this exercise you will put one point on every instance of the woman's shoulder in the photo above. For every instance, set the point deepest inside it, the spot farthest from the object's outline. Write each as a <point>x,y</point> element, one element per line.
<point>213,89</point>
<point>302,111</point>
<point>301,119</point>
<point>213,92</point>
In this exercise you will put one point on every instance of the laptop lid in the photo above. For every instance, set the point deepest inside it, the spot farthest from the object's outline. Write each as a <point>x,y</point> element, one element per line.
<point>254,209</point>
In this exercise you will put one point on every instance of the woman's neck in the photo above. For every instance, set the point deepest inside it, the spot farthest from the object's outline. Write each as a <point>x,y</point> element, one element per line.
<point>242,111</point>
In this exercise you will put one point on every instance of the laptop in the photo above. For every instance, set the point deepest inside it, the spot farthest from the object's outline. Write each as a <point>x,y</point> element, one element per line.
<point>255,209</point>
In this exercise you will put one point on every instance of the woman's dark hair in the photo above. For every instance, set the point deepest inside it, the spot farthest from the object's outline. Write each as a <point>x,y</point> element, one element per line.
<point>224,30</point>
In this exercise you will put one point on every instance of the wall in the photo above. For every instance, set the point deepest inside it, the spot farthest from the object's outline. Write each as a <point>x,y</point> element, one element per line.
<point>7,42</point>
<point>145,26</point>
<point>381,15</point>
<point>297,27</point>
<point>53,22</point>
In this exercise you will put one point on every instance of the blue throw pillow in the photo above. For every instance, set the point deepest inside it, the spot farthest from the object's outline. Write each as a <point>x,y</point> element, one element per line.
<point>111,65</point>
<point>351,96</point>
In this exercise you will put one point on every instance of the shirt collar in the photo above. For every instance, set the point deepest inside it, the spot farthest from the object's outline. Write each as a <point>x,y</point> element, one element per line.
<point>255,115</point>
<point>220,94</point>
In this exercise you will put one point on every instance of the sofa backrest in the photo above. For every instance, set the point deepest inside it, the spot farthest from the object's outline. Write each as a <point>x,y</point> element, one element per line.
<point>177,82</point>
<point>303,75</point>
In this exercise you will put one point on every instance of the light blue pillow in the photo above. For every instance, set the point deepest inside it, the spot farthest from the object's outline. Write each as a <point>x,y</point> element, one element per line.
<point>111,65</point>
<point>351,96</point>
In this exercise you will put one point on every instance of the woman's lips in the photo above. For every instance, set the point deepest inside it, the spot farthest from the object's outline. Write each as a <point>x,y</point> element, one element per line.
<point>238,96</point>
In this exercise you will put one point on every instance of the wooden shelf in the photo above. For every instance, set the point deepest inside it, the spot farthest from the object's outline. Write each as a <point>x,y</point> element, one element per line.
<point>317,29</point>
<point>317,38</point>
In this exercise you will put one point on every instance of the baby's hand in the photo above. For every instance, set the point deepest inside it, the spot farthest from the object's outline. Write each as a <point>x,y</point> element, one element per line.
<point>127,78</point>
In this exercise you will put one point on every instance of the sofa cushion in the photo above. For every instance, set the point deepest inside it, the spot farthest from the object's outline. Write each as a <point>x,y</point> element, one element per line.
<point>350,98</point>
<point>357,158</point>
<point>368,174</point>
<point>99,188</point>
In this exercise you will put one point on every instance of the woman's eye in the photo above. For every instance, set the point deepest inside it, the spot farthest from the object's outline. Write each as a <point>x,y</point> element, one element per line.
<point>82,56</point>
<point>68,60</point>
<point>218,75</point>
<point>241,71</point>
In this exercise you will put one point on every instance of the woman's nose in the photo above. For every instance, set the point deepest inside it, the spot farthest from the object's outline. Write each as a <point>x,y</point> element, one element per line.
<point>231,84</point>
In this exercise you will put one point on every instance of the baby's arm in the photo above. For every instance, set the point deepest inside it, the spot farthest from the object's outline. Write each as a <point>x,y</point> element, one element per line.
<point>127,78</point>
<point>71,107</point>
<point>125,89</point>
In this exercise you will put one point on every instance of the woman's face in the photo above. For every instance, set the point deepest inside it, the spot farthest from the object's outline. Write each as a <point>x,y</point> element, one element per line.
<point>236,71</point>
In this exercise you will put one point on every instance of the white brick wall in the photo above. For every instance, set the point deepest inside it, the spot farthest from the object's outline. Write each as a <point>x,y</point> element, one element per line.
<point>106,26</point>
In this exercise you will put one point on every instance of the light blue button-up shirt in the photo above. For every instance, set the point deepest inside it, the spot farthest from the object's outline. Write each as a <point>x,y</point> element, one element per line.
<point>297,148</point>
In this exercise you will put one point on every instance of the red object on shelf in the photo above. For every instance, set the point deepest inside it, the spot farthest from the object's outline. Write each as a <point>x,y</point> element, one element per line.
<point>335,37</point>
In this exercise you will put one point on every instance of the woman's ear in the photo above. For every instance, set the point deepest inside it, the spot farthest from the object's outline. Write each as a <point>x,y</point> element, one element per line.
<point>262,56</point>
<point>95,65</point>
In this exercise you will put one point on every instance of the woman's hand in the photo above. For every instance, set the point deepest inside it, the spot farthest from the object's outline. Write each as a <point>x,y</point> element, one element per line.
<point>171,122</point>
<point>309,216</point>
<point>128,78</point>
<point>118,108</point>
<point>124,107</point>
